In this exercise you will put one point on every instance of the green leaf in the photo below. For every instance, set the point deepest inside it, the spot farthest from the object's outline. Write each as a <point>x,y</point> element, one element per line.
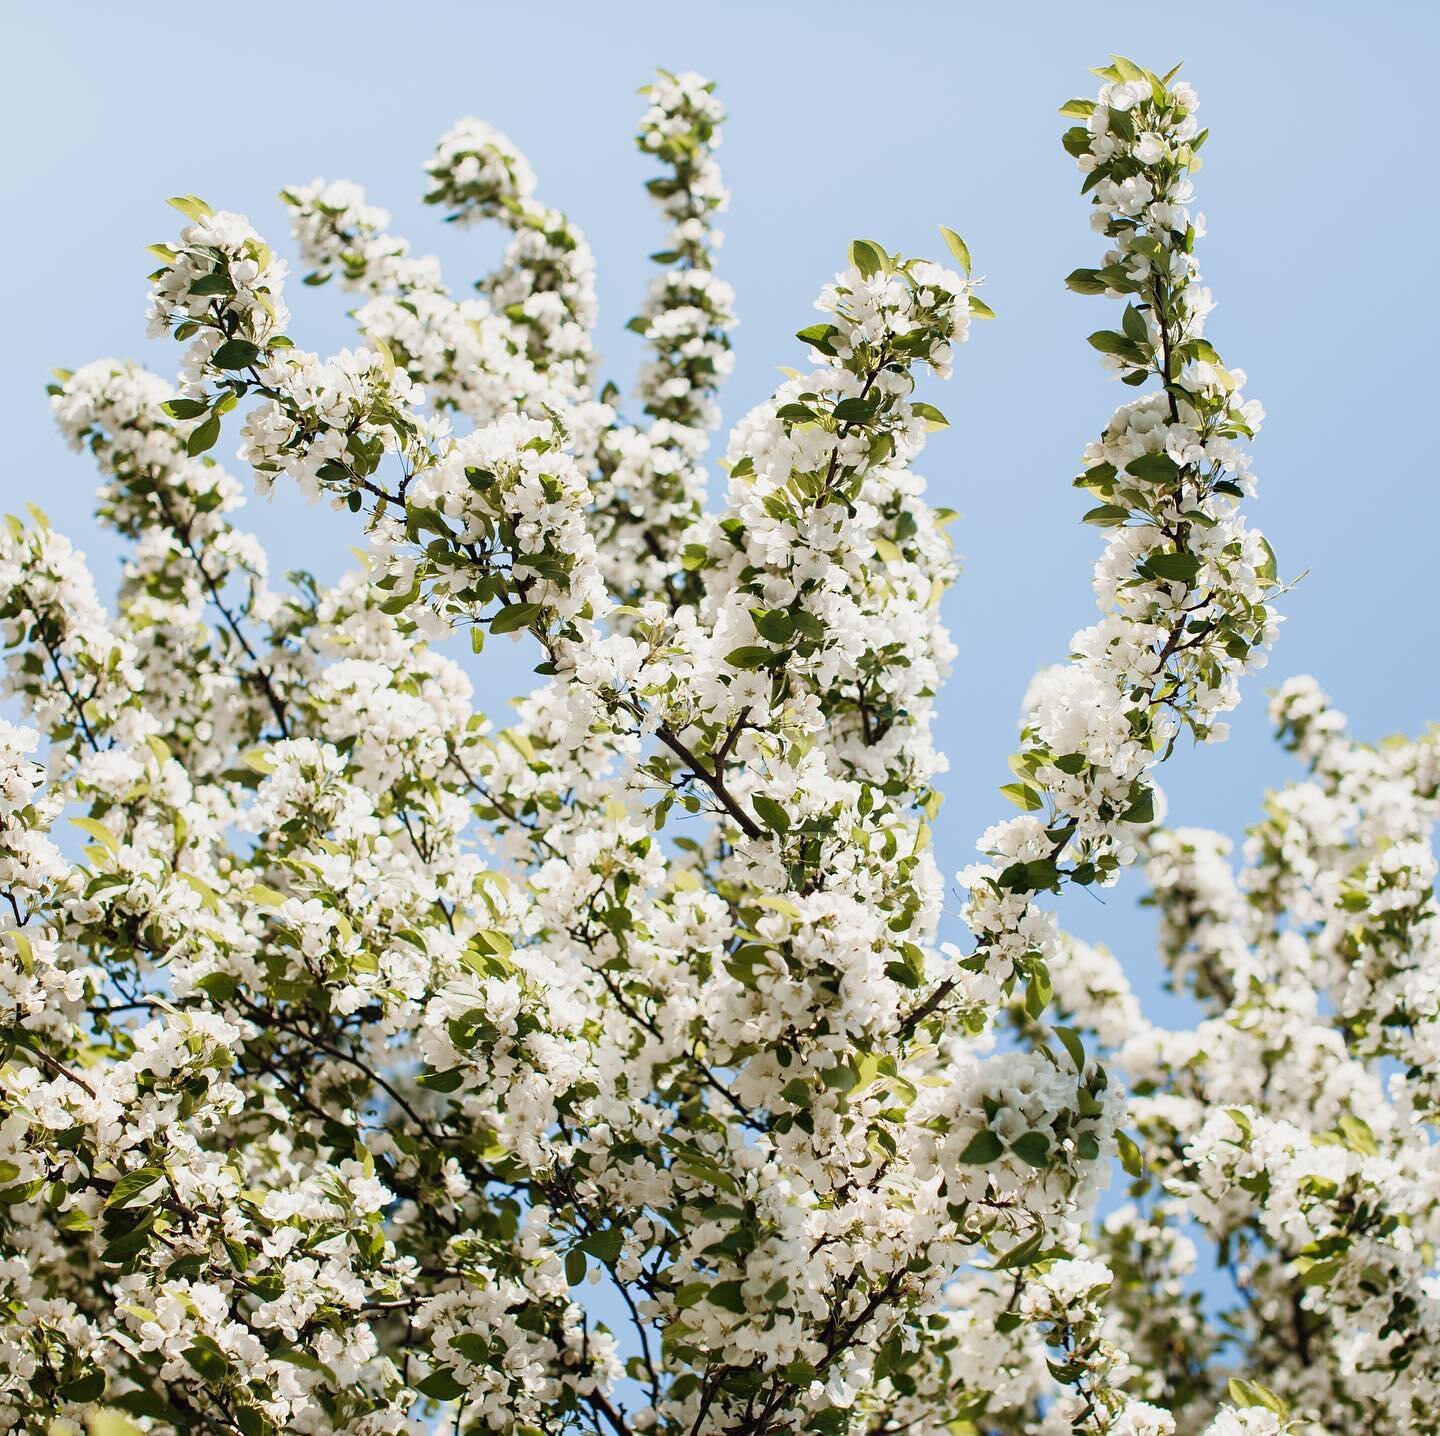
<point>1154,468</point>
<point>932,416</point>
<point>1033,1148</point>
<point>728,1296</point>
<point>441,1385</point>
<point>185,408</point>
<point>217,283</point>
<point>1244,1393</point>
<point>1131,1158</point>
<point>982,1149</point>
<point>515,617</point>
<point>1320,1273</point>
<point>89,1387</point>
<point>774,624</point>
<point>856,411</point>
<point>206,1358</point>
<point>771,813</point>
<point>1107,341</point>
<point>191,206</point>
<point>99,832</point>
<point>446,1081</point>
<point>818,336</point>
<point>1070,1040</point>
<point>203,437</point>
<point>1086,281</point>
<point>868,258</point>
<point>1142,810</point>
<point>796,413</point>
<point>979,309</point>
<point>605,1246</point>
<point>133,1185</point>
<point>1038,991</point>
<point>1269,570</point>
<point>957,247</point>
<point>1133,323</point>
<point>575,1266</point>
<point>1023,796</point>
<point>235,354</point>
<point>297,1356</point>
<point>1358,1136</point>
<point>1021,1254</point>
<point>1107,516</point>
<point>749,657</point>
<point>1174,567</point>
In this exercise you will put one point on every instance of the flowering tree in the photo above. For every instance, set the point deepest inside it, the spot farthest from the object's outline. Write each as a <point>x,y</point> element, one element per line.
<point>368,1051</point>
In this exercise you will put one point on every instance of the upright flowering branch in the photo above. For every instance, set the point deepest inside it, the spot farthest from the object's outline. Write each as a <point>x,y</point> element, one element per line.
<point>688,312</point>
<point>651,488</point>
<point>1183,583</point>
<point>546,282</point>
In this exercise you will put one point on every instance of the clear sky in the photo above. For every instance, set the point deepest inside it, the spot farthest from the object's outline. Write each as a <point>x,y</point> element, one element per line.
<point>847,120</point>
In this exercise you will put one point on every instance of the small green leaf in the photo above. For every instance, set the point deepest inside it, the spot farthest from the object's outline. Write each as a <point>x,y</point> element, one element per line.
<point>1133,323</point>
<point>133,1185</point>
<point>982,1149</point>
<point>86,1388</point>
<point>1033,1148</point>
<point>185,408</point>
<point>1131,1158</point>
<point>235,354</point>
<point>441,1385</point>
<point>99,832</point>
<point>1022,1253</point>
<point>1244,1394</point>
<point>1174,567</point>
<point>1142,810</point>
<point>515,617</point>
<point>1107,516</point>
<point>191,206</point>
<point>957,247</point>
<point>868,258</point>
<point>856,411</point>
<point>749,657</point>
<point>771,813</point>
<point>1107,341</point>
<point>203,437</point>
<point>1023,796</point>
<point>605,1245</point>
<point>774,624</point>
<point>1358,1135</point>
<point>1154,468</point>
<point>1086,281</point>
<point>1070,1040</point>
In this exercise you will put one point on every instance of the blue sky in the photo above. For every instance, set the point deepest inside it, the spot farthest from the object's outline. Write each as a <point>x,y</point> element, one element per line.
<point>847,120</point>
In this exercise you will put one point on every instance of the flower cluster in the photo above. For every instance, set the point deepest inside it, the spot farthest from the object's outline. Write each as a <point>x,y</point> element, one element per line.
<point>466,357</point>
